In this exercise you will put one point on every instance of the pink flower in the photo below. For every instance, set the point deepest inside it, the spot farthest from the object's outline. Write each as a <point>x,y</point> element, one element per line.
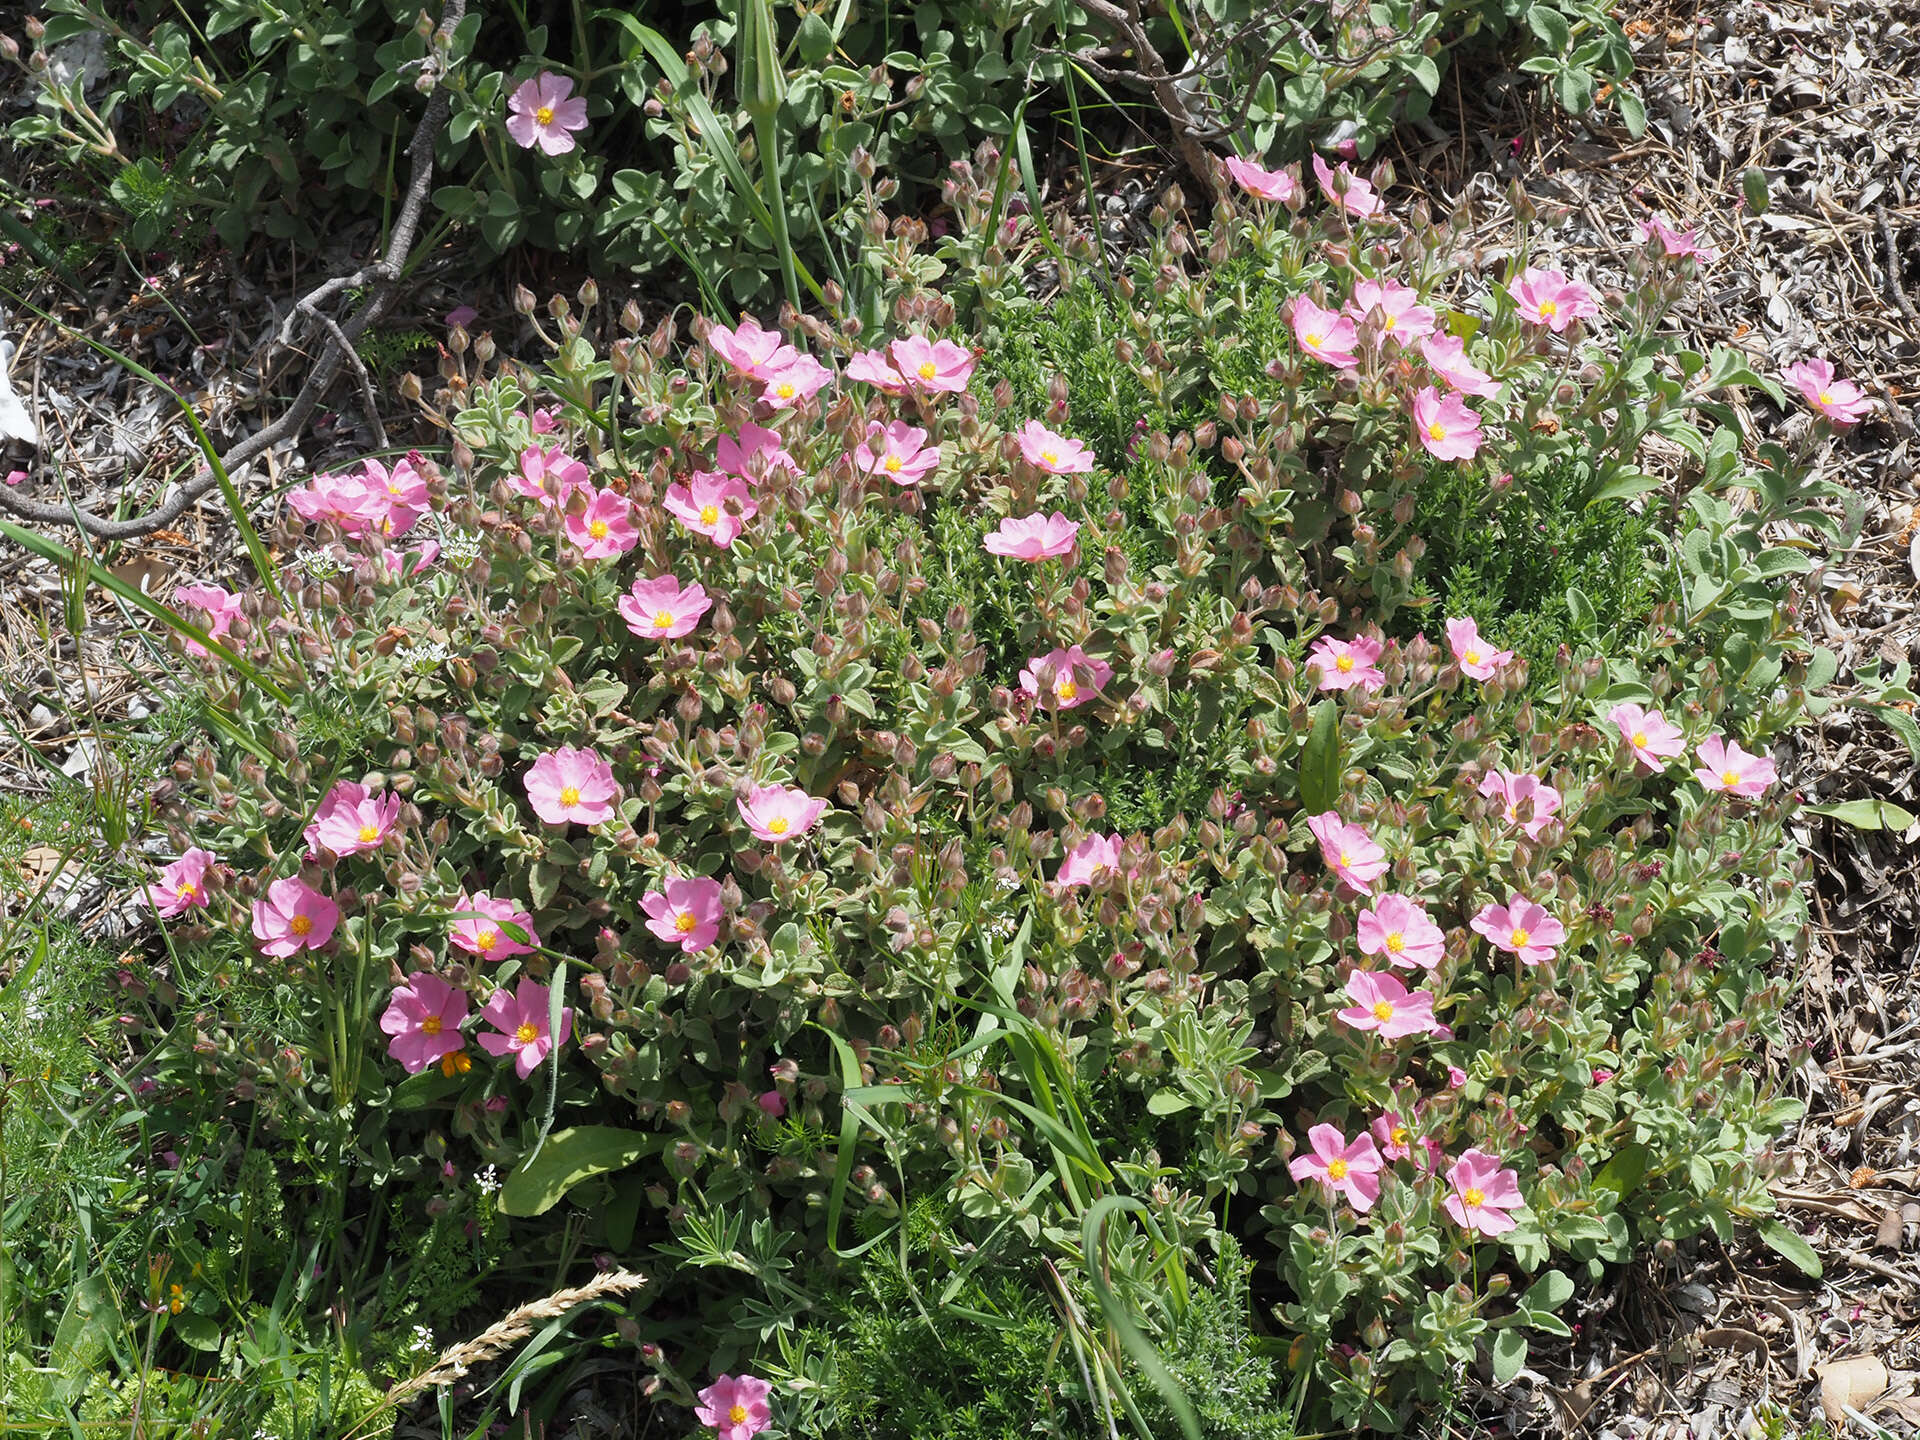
<point>1053,453</point>
<point>461,317</point>
<point>293,917</point>
<point>1382,1003</point>
<point>778,814</point>
<point>350,821</point>
<point>1653,739</point>
<point>1444,426</point>
<point>1676,244</point>
<point>1352,1170</point>
<point>549,476</point>
<point>1402,316</point>
<point>1089,862</point>
<point>477,923</point>
<point>220,607</point>
<point>348,501</point>
<point>1513,791</point>
<point>1349,851</point>
<point>1325,334</point>
<point>898,451</point>
<point>773,1103</point>
<point>685,913</point>
<point>753,455</point>
<point>1344,663</point>
<point>543,422</point>
<point>1446,356</point>
<point>1478,660</point>
<point>1401,930</point>
<point>736,1407</point>
<point>422,1021</point>
<point>182,886</point>
<point>1347,190</point>
<point>1841,401</point>
<point>932,365</point>
<point>1483,1191</point>
<point>750,351</point>
<point>1069,678</point>
<point>1600,1077</point>
<point>405,489</point>
<point>541,113</point>
<point>660,609</point>
<point>1547,297</point>
<point>1033,537</point>
<point>1276,185</point>
<point>521,1018</point>
<point>568,784</point>
<point>1395,1137</point>
<point>714,505</point>
<point>604,528</point>
<point>1725,766</point>
<point>1456,1079</point>
<point>875,368</point>
<point>799,379</point>
<point>1521,928</point>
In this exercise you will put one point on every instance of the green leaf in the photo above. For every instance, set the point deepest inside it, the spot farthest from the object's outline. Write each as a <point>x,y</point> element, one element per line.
<point>1633,111</point>
<point>1166,1102</point>
<point>815,39</point>
<point>1320,759</point>
<point>202,1332</point>
<point>1549,1292</point>
<point>1624,1172</point>
<point>84,1336</point>
<point>1552,28</point>
<point>1863,814</point>
<point>568,1157</point>
<point>1509,1355</point>
<point>1753,185</point>
<point>429,1087</point>
<point>1789,1246</point>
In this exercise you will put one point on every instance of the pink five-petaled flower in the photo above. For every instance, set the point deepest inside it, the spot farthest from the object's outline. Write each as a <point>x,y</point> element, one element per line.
<point>1725,766</point>
<point>716,506</point>
<point>1382,1003</point>
<point>1033,537</point>
<point>219,606</point>
<point>1652,737</point>
<point>1395,1137</point>
<point>1352,1170</point>
<point>685,912</point>
<point>350,820</point>
<point>1444,425</point>
<point>1092,860</point>
<point>1348,850</point>
<point>750,351</point>
<point>476,928</point>
<point>1482,1192</point>
<point>753,455</point>
<point>1069,678</point>
<point>1547,297</point>
<point>931,365</point>
<point>1402,316</point>
<point>1446,356</point>
<point>1279,186</point>
<point>604,528</point>
<point>799,379</point>
<point>1521,928</point>
<point>1513,791</point>
<point>898,451</point>
<point>1677,244</point>
<point>876,368</point>
<point>1343,663</point>
<point>1347,190</point>
<point>422,1021</point>
<point>570,784</point>
<point>294,916</point>
<point>1478,660</point>
<point>549,476</point>
<point>1054,453</point>
<point>522,1020</point>
<point>1841,401</point>
<point>1401,930</point>
<point>1325,334</point>
<point>735,1406</point>
<point>349,501</point>
<point>544,111</point>
<point>778,814</point>
<point>182,886</point>
<point>662,609</point>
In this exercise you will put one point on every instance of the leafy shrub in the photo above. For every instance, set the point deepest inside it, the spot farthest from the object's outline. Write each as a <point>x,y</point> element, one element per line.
<point>839,920</point>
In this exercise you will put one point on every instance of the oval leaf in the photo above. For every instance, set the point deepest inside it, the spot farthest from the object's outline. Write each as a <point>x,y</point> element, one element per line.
<point>1320,760</point>
<point>1864,814</point>
<point>1792,1247</point>
<point>568,1157</point>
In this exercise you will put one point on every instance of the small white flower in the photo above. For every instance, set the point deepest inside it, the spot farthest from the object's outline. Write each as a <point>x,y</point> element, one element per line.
<point>422,657</point>
<point>488,1180</point>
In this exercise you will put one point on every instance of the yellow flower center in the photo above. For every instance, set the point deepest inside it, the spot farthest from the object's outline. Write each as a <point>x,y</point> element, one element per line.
<point>737,1414</point>
<point>784,390</point>
<point>369,834</point>
<point>1049,457</point>
<point>779,825</point>
<point>1436,431</point>
<point>1639,737</point>
<point>188,890</point>
<point>1472,657</point>
<point>598,529</point>
<point>300,924</point>
<point>685,922</point>
<point>893,464</point>
<point>709,514</point>
<point>1549,307</point>
<point>1396,942</point>
<point>570,797</point>
<point>1344,664</point>
<point>663,619</point>
<point>1342,862</point>
<point>1391,322</point>
<point>1519,938</point>
<point>1336,1169</point>
<point>1826,397</point>
<point>928,370</point>
<point>430,1025</point>
<point>486,940</point>
<point>1475,1196</point>
<point>544,115</point>
<point>1383,1010</point>
<point>1314,337</point>
<point>1066,690</point>
<point>1398,1135</point>
<point>527,1033</point>
<point>456,1062</point>
<point>1729,777</point>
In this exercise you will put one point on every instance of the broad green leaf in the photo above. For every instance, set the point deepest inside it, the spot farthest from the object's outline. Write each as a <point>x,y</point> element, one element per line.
<point>1549,1292</point>
<point>1864,814</point>
<point>1792,1247</point>
<point>1624,1172</point>
<point>568,1157</point>
<point>1320,759</point>
<point>1509,1355</point>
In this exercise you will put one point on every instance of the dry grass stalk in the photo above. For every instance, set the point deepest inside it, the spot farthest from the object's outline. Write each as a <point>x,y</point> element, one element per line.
<point>516,1326</point>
